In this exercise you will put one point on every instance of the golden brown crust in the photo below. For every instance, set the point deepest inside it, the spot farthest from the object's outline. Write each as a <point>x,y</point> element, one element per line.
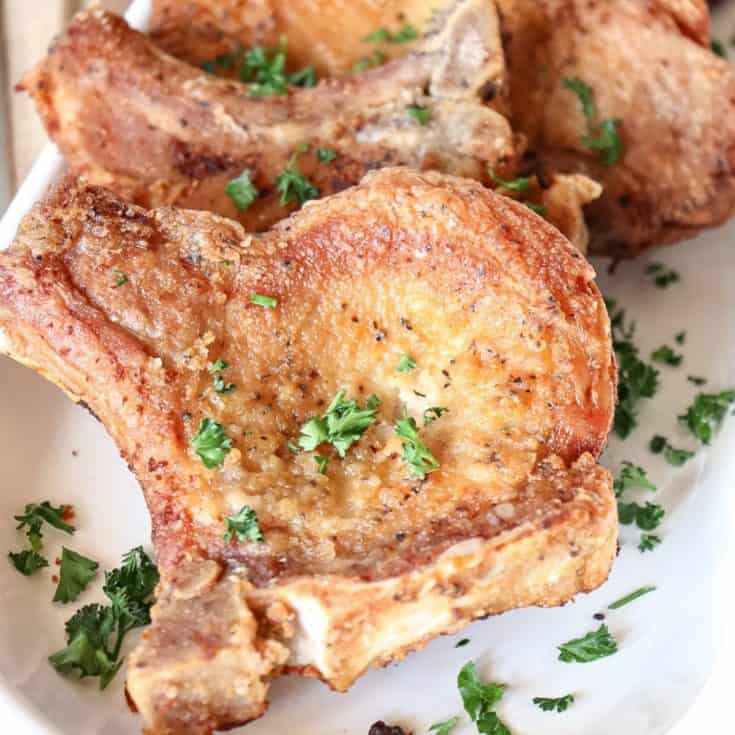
<point>365,563</point>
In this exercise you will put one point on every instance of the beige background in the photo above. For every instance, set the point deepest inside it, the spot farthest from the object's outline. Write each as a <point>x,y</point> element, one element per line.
<point>26,28</point>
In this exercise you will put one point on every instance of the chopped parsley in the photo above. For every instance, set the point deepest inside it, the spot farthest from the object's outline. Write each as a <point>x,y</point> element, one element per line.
<point>292,447</point>
<point>259,299</point>
<point>292,186</point>
<point>479,699</point>
<point>383,35</point>
<point>554,704</point>
<point>223,61</point>
<point>325,155</point>
<point>265,70</point>
<point>667,356</point>
<point>244,525</point>
<point>636,379</point>
<point>519,184</point>
<point>421,115</point>
<point>602,137</point>
<point>36,514</point>
<point>675,457</point>
<point>594,645</point>
<point>718,48</point>
<point>433,413</point>
<point>462,643</point>
<point>696,380</point>
<point>707,413</point>
<point>322,463</point>
<point>405,364</point>
<point>94,634</point>
<point>540,209</point>
<point>27,561</point>
<point>662,276</point>
<point>415,453</point>
<point>242,191</point>
<point>368,62</point>
<point>75,574</point>
<point>219,382</point>
<point>631,597</point>
<point>648,542</point>
<point>211,443</point>
<point>122,279</point>
<point>445,726</point>
<point>631,476</point>
<point>341,426</point>
<point>680,337</point>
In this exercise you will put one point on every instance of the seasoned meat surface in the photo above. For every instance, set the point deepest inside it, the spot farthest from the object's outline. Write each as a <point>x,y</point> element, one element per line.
<point>649,66</point>
<point>367,561</point>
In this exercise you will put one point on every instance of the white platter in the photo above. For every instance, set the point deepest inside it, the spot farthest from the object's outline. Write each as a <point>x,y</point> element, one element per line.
<point>673,627</point>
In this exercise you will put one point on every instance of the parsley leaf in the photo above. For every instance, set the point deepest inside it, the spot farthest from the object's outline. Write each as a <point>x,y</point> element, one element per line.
<point>405,364</point>
<point>647,517</point>
<point>594,645</point>
<point>27,561</point>
<point>663,277</point>
<point>433,413</point>
<point>368,62</point>
<point>636,379</point>
<point>75,574</point>
<point>322,463</point>
<point>122,279</point>
<point>86,652</point>
<point>631,476</point>
<point>479,699</point>
<point>218,365</point>
<point>540,209</point>
<point>445,726</point>
<point>264,69</point>
<point>242,191</point>
<point>519,184</point>
<point>603,136</point>
<point>648,542</point>
<point>675,457</point>
<point>325,155</point>
<point>667,356</point>
<point>707,413</point>
<point>343,424</point>
<point>680,337</point>
<point>211,443</point>
<point>293,187</point>
<point>244,525</point>
<point>551,704</point>
<point>629,598</point>
<point>383,35</point>
<point>422,115</point>
<point>36,514</point>
<point>415,453</point>
<point>136,581</point>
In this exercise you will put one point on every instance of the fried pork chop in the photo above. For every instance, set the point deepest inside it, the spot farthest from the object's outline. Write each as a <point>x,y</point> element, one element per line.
<point>158,131</point>
<point>512,392</point>
<point>648,63</point>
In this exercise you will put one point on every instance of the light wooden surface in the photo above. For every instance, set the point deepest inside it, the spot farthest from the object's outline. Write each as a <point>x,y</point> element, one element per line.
<point>26,29</point>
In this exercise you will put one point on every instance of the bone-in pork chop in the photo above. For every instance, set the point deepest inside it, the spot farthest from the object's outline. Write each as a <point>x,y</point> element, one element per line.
<point>359,430</point>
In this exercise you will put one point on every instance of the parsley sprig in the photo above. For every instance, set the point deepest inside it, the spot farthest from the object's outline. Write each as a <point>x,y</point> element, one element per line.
<point>415,453</point>
<point>445,726</point>
<point>601,136</point>
<point>479,699</point>
<point>292,186</point>
<point>341,426</point>
<point>35,515</point>
<point>265,70</point>
<point>554,704</point>
<point>667,356</point>
<point>94,634</point>
<point>675,457</point>
<point>637,379</point>
<point>244,525</point>
<point>707,413</point>
<point>211,443</point>
<point>242,191</point>
<point>27,561</point>
<point>592,646</point>
<point>647,517</point>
